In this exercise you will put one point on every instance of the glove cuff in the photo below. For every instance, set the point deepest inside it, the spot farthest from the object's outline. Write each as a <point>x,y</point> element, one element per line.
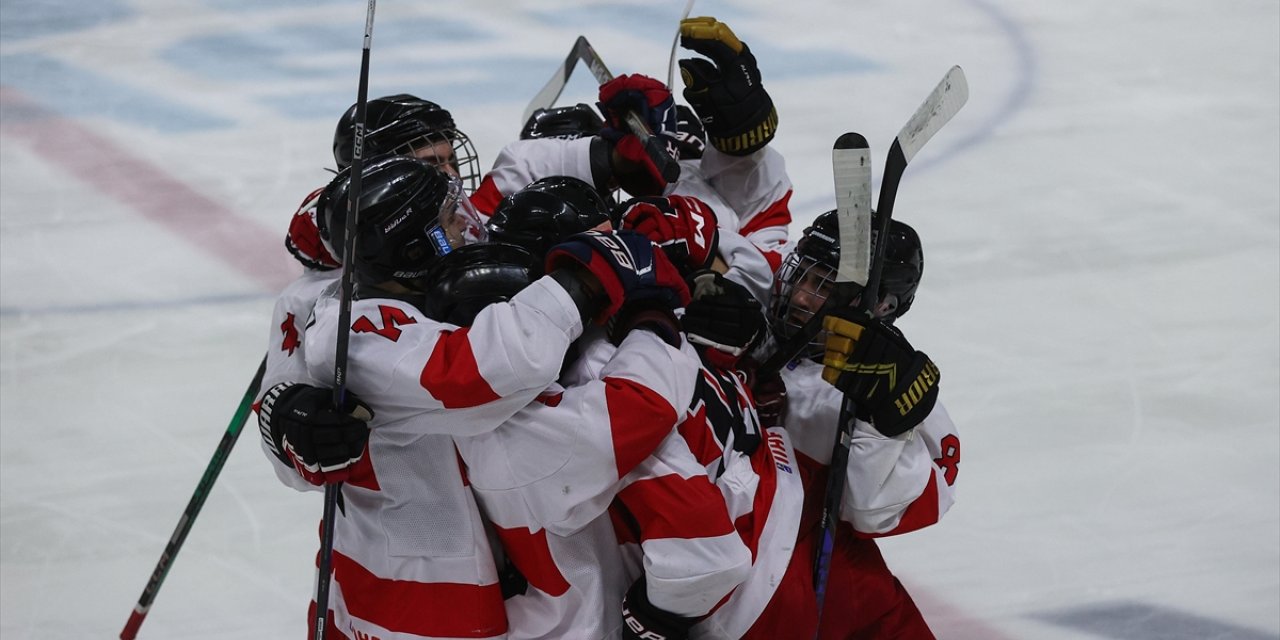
<point>911,402</point>
<point>746,140</point>
<point>643,621</point>
<point>272,435</point>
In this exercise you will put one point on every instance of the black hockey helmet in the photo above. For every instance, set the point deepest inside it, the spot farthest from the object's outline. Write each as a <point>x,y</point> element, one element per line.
<point>406,125</point>
<point>411,213</point>
<point>566,123</point>
<point>547,211</point>
<point>806,277</point>
<point>470,278</point>
<point>691,137</point>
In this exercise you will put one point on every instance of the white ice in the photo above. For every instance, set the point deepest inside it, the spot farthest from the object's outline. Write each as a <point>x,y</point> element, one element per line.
<point>1101,223</point>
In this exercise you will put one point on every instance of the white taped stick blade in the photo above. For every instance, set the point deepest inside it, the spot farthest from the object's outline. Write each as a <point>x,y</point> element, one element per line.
<point>943,103</point>
<point>851,166</point>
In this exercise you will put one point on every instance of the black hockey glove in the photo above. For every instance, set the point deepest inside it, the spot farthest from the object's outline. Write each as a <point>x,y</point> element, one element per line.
<point>627,266</point>
<point>301,426</point>
<point>893,385</point>
<point>723,317</point>
<point>770,395</point>
<point>730,100</point>
<point>643,621</point>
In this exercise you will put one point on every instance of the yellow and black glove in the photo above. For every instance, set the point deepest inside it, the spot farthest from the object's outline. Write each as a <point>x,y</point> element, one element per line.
<point>726,92</point>
<point>893,385</point>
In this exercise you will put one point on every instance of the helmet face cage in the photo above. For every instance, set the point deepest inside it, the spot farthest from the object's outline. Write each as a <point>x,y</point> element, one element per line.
<point>800,289</point>
<point>448,149</point>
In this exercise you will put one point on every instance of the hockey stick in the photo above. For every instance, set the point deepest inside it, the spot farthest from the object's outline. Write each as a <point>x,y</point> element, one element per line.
<point>551,91</point>
<point>671,60</point>
<point>332,491</point>
<point>196,503</point>
<point>851,166</point>
<point>582,51</point>
<point>943,103</point>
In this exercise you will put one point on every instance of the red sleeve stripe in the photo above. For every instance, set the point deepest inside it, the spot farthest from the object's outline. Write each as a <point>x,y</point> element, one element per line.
<point>674,507</point>
<point>777,214</point>
<point>487,197</point>
<point>639,418</point>
<point>437,610</point>
<point>922,512</point>
<point>531,554</point>
<point>698,435</point>
<point>452,375</point>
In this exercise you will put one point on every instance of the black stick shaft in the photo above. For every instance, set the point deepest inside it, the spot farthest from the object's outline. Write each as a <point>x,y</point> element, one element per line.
<point>332,491</point>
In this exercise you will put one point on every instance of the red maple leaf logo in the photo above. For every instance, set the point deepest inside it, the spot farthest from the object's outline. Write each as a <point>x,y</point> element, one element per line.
<point>290,330</point>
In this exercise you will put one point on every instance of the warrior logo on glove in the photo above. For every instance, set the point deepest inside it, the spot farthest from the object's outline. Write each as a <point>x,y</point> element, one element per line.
<point>893,385</point>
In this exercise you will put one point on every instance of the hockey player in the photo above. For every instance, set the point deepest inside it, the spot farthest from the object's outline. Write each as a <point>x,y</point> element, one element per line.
<point>411,559</point>
<point>587,453</point>
<point>403,124</point>
<point>744,184</point>
<point>904,453</point>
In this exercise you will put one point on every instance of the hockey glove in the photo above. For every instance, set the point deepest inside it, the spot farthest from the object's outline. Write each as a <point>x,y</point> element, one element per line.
<point>627,266</point>
<point>643,621</point>
<point>723,317</point>
<point>685,227</point>
<point>734,107</point>
<point>770,395</point>
<point>303,429</point>
<point>893,385</point>
<point>632,166</point>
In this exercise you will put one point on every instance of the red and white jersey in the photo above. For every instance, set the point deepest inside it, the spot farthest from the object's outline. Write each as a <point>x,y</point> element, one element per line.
<point>762,492</point>
<point>750,195</point>
<point>285,359</point>
<point>545,477</point>
<point>667,513</point>
<point>285,362</point>
<point>411,558</point>
<point>892,485</point>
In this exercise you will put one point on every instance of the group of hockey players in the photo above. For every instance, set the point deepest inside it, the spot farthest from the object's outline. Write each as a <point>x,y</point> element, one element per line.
<point>556,422</point>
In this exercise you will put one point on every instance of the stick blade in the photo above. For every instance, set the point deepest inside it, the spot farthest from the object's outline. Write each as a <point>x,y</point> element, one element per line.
<point>551,91</point>
<point>942,104</point>
<point>851,166</point>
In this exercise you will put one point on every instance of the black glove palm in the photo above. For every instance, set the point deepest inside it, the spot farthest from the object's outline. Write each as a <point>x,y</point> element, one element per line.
<point>893,385</point>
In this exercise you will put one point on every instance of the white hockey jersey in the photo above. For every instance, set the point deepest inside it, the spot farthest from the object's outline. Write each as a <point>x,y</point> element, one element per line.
<point>411,559</point>
<point>750,195</point>
<point>539,479</point>
<point>762,491</point>
<point>668,514</point>
<point>892,485</point>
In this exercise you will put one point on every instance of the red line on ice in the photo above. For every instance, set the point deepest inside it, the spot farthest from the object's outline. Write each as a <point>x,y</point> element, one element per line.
<point>242,243</point>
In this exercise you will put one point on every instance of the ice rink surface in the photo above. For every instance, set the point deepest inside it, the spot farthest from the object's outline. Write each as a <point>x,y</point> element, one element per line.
<point>1101,224</point>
